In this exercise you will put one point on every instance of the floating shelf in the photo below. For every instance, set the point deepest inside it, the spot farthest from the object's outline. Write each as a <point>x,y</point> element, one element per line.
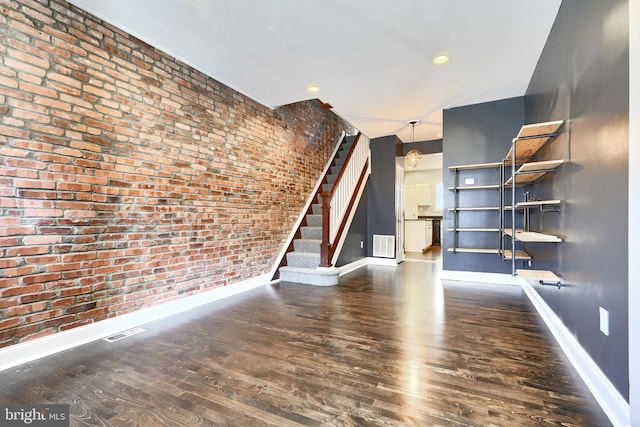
<point>474,250</point>
<point>532,137</point>
<point>537,203</point>
<point>532,171</point>
<point>538,275</point>
<point>476,166</point>
<point>485,208</point>
<point>531,236</point>
<point>477,187</point>
<point>474,229</point>
<point>520,255</point>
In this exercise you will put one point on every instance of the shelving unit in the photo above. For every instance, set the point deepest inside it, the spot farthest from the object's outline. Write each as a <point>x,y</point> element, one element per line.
<point>524,171</point>
<point>523,149</point>
<point>457,209</point>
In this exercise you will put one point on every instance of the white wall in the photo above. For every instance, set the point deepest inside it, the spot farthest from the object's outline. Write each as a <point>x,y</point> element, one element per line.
<point>634,208</point>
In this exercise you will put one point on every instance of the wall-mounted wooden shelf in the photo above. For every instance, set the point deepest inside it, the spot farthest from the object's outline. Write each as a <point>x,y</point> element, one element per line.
<point>476,166</point>
<point>534,203</point>
<point>520,255</point>
<point>538,275</point>
<point>529,172</point>
<point>491,230</point>
<point>477,187</point>
<point>484,208</point>
<point>532,137</point>
<point>532,236</point>
<point>474,250</point>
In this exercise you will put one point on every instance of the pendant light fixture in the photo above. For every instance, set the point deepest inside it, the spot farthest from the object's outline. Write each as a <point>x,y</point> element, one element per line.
<point>413,157</point>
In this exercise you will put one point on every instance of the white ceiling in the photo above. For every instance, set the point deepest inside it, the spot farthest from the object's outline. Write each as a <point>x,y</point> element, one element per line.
<point>370,58</point>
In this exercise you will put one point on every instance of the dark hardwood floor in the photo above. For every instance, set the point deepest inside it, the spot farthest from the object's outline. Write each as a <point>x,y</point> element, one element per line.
<point>433,254</point>
<point>385,347</point>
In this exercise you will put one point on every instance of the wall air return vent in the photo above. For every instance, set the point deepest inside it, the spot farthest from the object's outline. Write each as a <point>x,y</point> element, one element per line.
<point>383,246</point>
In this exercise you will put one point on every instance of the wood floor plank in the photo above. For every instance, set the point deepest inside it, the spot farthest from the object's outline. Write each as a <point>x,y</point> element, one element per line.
<point>386,347</point>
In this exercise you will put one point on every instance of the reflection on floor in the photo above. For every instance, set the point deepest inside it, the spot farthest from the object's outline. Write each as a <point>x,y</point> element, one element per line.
<point>434,254</point>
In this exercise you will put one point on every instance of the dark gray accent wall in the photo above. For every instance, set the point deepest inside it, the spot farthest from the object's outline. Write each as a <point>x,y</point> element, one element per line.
<point>479,133</point>
<point>425,147</point>
<point>351,250</point>
<point>583,77</point>
<point>381,192</point>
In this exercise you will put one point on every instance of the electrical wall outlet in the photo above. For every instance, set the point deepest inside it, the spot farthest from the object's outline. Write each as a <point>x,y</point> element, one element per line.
<point>469,181</point>
<point>604,321</point>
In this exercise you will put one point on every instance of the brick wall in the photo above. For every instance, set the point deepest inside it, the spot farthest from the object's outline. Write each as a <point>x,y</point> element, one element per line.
<point>128,179</point>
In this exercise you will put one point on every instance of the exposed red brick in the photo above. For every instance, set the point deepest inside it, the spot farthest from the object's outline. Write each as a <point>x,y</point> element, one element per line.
<point>41,296</point>
<point>39,334</point>
<point>130,179</point>
<point>28,250</point>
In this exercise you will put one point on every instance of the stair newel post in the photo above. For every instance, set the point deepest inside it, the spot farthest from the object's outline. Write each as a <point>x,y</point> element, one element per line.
<point>325,246</point>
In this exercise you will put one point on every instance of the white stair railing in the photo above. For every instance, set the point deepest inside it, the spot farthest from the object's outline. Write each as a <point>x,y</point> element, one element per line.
<point>338,202</point>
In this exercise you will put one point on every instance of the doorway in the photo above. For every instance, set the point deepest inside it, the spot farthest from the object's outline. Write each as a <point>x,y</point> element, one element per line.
<point>422,210</point>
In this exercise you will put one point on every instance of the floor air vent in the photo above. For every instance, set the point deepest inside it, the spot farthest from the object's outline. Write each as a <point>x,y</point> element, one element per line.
<point>122,335</point>
<point>383,246</point>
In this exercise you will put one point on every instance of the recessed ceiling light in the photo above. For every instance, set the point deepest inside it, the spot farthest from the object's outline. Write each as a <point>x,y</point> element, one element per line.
<point>313,88</point>
<point>441,58</point>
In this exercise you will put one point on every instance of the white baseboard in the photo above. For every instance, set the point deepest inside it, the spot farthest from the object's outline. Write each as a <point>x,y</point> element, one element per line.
<point>609,399</point>
<point>353,266</point>
<point>472,276</point>
<point>31,350</point>
<point>389,262</point>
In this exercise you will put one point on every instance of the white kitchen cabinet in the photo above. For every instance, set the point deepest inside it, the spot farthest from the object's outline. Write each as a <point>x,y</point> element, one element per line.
<point>428,233</point>
<point>423,194</point>
<point>418,235</point>
<point>416,197</point>
<point>410,202</point>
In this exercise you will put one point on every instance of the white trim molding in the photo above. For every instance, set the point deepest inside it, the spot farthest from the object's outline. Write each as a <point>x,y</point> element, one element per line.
<point>389,262</point>
<point>353,266</point>
<point>634,204</point>
<point>472,276</point>
<point>32,350</point>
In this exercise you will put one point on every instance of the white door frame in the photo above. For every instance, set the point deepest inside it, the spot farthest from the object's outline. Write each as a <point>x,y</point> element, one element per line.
<point>399,210</point>
<point>634,205</point>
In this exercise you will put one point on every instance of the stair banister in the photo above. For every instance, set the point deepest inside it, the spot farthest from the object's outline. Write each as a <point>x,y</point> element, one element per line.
<point>337,202</point>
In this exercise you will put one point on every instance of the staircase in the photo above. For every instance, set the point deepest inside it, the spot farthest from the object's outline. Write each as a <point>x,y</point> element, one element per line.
<point>303,262</point>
